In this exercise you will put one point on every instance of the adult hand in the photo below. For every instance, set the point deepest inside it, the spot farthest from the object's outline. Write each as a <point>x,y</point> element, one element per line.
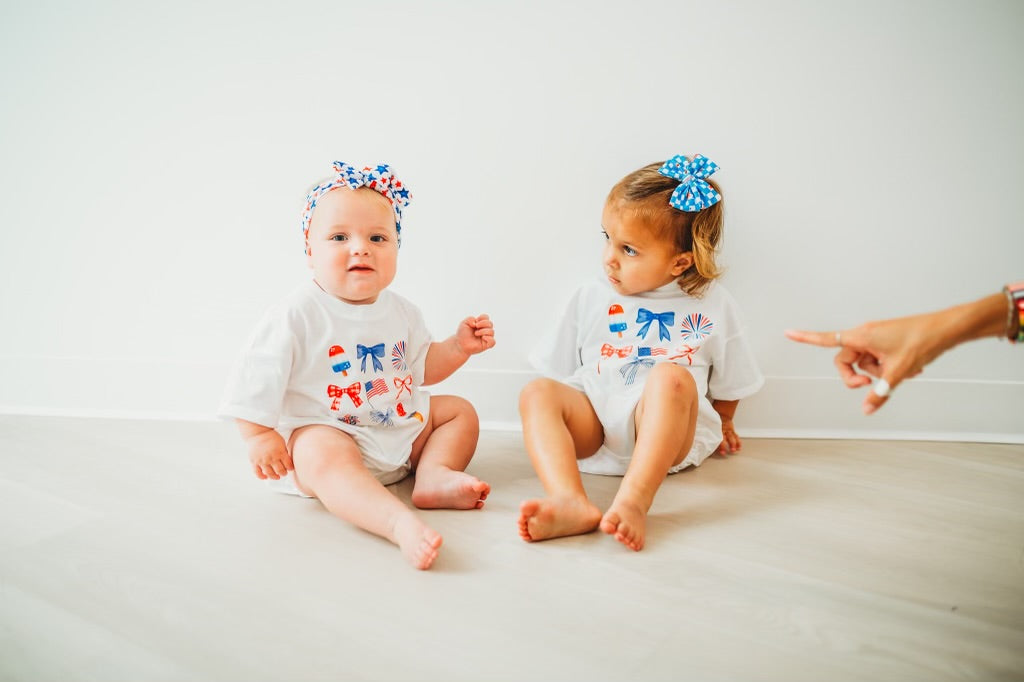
<point>894,350</point>
<point>889,350</point>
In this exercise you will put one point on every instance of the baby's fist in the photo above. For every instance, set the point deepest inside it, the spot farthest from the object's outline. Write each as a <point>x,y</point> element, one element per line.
<point>475,334</point>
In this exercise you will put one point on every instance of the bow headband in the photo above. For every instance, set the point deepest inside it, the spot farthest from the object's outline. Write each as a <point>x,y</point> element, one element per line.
<point>693,193</point>
<point>379,178</point>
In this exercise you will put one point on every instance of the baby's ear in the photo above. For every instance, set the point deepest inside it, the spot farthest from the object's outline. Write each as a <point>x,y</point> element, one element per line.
<point>683,262</point>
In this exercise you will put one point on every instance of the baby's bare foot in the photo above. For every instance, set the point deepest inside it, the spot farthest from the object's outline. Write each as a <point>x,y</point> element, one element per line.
<point>627,521</point>
<point>448,489</point>
<point>555,517</point>
<point>418,541</point>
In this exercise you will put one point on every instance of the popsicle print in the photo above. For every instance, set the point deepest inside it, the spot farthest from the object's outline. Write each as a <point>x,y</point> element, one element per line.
<point>339,363</point>
<point>616,319</point>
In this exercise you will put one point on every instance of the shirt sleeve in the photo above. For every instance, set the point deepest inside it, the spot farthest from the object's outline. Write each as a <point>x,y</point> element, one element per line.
<point>557,354</point>
<point>420,339</point>
<point>257,383</point>
<point>734,371</point>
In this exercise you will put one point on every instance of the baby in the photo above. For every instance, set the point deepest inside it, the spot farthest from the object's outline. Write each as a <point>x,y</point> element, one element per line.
<point>327,394</point>
<point>648,363</point>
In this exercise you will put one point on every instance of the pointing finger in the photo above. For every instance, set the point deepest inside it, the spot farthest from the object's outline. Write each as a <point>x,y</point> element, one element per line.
<point>824,339</point>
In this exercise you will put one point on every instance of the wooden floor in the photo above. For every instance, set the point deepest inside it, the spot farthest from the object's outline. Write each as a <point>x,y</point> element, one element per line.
<point>147,551</point>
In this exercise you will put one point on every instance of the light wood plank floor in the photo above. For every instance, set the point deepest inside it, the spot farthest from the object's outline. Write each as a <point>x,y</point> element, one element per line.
<point>147,551</point>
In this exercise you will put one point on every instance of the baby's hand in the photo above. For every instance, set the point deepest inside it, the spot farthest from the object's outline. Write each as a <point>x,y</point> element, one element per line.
<point>730,439</point>
<point>475,335</point>
<point>269,455</point>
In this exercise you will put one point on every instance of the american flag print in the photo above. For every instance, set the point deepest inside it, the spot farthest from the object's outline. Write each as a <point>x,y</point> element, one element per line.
<point>375,388</point>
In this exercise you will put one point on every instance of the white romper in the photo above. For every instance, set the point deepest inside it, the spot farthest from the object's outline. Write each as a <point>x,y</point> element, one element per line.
<point>314,359</point>
<point>606,344</point>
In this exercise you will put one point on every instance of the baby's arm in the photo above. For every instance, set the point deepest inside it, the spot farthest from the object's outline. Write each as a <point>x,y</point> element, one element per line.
<point>267,450</point>
<point>726,409</point>
<point>474,335</point>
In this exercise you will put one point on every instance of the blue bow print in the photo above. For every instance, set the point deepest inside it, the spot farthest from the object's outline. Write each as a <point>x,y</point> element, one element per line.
<point>665,320</point>
<point>693,193</point>
<point>629,370</point>
<point>374,352</point>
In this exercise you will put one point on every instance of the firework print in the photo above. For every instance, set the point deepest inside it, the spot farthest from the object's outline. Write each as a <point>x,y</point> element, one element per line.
<point>398,357</point>
<point>697,327</point>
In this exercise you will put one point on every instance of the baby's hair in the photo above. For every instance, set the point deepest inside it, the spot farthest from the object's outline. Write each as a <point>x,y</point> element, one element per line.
<point>643,195</point>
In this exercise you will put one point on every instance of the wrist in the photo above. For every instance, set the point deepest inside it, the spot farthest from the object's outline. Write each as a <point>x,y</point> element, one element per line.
<point>254,432</point>
<point>985,317</point>
<point>1014,295</point>
<point>459,349</point>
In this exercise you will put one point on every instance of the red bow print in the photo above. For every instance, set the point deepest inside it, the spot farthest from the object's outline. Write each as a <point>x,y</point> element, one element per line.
<point>337,392</point>
<point>686,352</point>
<point>608,350</point>
<point>403,385</point>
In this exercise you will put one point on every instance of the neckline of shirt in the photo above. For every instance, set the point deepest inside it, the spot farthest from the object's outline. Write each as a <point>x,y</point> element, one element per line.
<point>363,311</point>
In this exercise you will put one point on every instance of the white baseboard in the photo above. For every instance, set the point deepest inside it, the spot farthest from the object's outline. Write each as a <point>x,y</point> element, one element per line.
<point>787,407</point>
<point>809,407</point>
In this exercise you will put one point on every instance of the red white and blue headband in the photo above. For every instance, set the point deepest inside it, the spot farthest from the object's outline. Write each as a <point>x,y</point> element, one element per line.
<point>379,178</point>
<point>693,193</point>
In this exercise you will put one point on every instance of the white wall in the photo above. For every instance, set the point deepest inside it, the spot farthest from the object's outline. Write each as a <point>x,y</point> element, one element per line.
<point>155,157</point>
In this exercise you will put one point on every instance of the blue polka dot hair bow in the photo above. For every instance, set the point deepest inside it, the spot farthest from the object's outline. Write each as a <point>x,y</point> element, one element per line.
<point>693,193</point>
<point>379,178</point>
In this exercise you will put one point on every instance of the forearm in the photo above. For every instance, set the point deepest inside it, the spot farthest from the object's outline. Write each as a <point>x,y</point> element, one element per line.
<point>726,409</point>
<point>979,319</point>
<point>443,358</point>
<point>249,429</point>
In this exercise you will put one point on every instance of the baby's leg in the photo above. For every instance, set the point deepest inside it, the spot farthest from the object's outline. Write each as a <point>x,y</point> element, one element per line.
<point>559,426</point>
<point>328,466</point>
<point>441,454</point>
<point>666,418</point>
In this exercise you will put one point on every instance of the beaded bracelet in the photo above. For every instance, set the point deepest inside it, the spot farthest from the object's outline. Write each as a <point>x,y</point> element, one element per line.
<point>1015,313</point>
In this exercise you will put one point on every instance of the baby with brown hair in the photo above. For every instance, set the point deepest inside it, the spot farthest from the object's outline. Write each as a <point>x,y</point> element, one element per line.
<point>645,370</point>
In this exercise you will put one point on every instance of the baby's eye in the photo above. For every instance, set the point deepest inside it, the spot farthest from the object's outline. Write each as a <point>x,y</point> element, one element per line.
<point>339,237</point>
<point>629,250</point>
<point>378,238</point>
<point>605,235</point>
